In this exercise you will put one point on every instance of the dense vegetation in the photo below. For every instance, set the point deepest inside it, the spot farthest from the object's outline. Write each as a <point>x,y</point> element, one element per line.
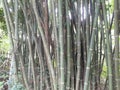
<point>59,44</point>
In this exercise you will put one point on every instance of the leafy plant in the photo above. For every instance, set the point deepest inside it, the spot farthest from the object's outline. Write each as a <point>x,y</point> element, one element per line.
<point>18,86</point>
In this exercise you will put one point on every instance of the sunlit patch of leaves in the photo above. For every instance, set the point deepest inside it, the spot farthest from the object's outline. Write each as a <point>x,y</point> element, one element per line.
<point>4,44</point>
<point>104,72</point>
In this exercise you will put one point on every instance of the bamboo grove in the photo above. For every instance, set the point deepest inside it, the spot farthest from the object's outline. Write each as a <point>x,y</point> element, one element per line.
<point>63,44</point>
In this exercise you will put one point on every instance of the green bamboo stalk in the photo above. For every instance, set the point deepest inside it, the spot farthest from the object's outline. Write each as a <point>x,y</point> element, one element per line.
<point>68,47</point>
<point>23,71</point>
<point>93,79</point>
<point>78,48</point>
<point>41,77</point>
<point>47,87</point>
<point>31,51</point>
<point>56,41</point>
<point>105,53</point>
<point>96,60</point>
<point>87,73</point>
<point>92,67</point>
<point>49,63</point>
<point>31,58</point>
<point>61,83</point>
<point>38,47</point>
<point>116,35</point>
<point>16,20</point>
<point>108,48</point>
<point>87,26</point>
<point>16,35</point>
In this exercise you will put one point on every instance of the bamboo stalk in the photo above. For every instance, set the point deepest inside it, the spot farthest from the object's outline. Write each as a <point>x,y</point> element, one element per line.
<point>116,35</point>
<point>68,48</point>
<point>50,67</point>
<point>108,48</point>
<point>91,49</point>
<point>61,83</point>
<point>23,71</point>
<point>78,48</point>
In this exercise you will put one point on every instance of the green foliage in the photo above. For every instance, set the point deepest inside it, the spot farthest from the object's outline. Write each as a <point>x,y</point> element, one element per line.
<point>4,44</point>
<point>110,6</point>
<point>3,27</point>
<point>104,72</point>
<point>21,16</point>
<point>2,15</point>
<point>4,48</point>
<point>2,21</point>
<point>54,63</point>
<point>18,86</point>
